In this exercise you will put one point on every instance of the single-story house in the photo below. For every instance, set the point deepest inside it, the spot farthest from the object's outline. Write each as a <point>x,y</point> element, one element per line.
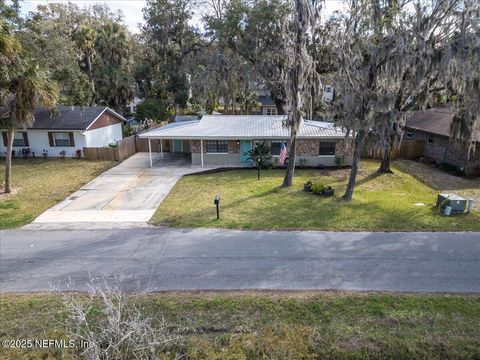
<point>225,139</point>
<point>66,128</point>
<point>432,126</point>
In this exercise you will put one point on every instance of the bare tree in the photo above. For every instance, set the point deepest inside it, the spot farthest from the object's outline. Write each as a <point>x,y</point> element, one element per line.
<point>114,326</point>
<point>388,54</point>
<point>464,72</point>
<point>301,74</point>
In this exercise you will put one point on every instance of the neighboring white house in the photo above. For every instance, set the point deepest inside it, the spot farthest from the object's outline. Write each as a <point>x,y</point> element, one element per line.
<point>66,128</point>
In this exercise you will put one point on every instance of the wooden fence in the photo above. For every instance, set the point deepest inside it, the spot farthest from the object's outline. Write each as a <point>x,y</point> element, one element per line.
<point>124,149</point>
<point>409,149</point>
<point>142,145</point>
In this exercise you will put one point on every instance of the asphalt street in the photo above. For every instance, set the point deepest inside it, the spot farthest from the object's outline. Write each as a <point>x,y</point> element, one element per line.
<point>153,259</point>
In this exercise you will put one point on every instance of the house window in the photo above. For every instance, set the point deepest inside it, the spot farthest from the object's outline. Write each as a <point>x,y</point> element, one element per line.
<point>409,135</point>
<point>430,139</point>
<point>19,139</point>
<point>217,146</point>
<point>61,139</point>
<point>276,146</point>
<point>326,148</point>
<point>271,111</point>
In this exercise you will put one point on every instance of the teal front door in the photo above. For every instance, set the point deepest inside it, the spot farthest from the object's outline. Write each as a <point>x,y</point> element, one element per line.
<point>245,146</point>
<point>177,146</point>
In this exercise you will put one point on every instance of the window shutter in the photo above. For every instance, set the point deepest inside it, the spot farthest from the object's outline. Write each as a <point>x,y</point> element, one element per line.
<point>25,139</point>
<point>50,139</point>
<point>5,141</point>
<point>72,139</point>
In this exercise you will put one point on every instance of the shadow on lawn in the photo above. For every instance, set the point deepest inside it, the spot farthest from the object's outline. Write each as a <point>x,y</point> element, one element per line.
<point>326,214</point>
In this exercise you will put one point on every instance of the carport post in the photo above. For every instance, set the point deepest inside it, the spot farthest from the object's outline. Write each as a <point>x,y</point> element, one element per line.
<point>150,151</point>
<point>201,150</point>
<point>161,148</point>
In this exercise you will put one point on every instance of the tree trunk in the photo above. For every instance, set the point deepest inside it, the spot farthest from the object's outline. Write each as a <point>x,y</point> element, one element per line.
<point>258,172</point>
<point>288,179</point>
<point>8,161</point>
<point>356,160</point>
<point>387,157</point>
<point>90,74</point>
<point>279,104</point>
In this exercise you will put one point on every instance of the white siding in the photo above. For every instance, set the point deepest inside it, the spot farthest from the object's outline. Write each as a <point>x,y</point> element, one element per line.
<point>103,136</point>
<point>38,141</point>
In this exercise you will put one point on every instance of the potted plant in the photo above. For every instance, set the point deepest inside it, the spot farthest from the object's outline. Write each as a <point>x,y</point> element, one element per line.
<point>25,152</point>
<point>62,154</point>
<point>45,153</point>
<point>307,186</point>
<point>328,191</point>
<point>78,154</point>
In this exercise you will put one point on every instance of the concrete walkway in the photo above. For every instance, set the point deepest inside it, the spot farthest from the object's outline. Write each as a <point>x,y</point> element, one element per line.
<point>151,259</point>
<point>128,193</point>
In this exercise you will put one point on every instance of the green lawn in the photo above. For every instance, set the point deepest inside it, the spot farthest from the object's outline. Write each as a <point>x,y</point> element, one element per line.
<point>381,202</point>
<point>269,325</point>
<point>41,183</point>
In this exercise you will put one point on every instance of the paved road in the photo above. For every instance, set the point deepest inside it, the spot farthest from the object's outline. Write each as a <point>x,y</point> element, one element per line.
<point>129,192</point>
<point>159,259</point>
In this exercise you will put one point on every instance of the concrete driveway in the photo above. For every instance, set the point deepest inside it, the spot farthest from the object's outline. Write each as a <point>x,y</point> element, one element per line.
<point>128,193</point>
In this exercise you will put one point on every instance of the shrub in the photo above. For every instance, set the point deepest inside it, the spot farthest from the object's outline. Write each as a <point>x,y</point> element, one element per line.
<point>318,188</point>
<point>78,153</point>
<point>451,169</point>
<point>339,160</point>
<point>62,154</point>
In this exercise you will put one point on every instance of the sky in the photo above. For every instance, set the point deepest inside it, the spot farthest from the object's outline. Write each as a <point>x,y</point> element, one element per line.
<point>132,9</point>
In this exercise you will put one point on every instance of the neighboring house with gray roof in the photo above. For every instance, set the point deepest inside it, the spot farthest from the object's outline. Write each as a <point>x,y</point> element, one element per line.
<point>225,139</point>
<point>432,127</point>
<point>66,128</point>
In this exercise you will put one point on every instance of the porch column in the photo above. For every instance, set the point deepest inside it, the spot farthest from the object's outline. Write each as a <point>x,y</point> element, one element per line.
<point>150,152</point>
<point>201,151</point>
<point>161,149</point>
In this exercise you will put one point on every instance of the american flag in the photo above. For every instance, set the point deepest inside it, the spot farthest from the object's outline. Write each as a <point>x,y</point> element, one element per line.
<point>283,154</point>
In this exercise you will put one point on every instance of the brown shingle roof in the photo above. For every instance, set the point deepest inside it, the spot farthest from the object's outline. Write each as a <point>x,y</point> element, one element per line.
<point>435,121</point>
<point>66,117</point>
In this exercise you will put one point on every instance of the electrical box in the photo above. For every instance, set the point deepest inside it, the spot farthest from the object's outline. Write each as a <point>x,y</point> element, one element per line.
<point>457,203</point>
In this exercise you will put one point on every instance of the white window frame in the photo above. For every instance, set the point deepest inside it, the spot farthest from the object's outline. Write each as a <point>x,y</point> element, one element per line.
<point>334,151</point>
<point>18,136</point>
<point>277,142</point>
<point>55,139</point>
<point>271,111</point>
<point>215,152</point>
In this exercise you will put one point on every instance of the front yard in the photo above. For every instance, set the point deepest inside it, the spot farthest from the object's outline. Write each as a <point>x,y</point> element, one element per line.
<point>381,202</point>
<point>274,325</point>
<point>41,183</point>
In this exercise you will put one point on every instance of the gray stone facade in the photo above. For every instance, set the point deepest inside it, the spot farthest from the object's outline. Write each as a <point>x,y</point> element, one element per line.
<point>307,153</point>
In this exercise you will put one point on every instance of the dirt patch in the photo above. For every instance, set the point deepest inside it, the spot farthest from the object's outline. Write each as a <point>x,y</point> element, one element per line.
<point>442,181</point>
<point>4,196</point>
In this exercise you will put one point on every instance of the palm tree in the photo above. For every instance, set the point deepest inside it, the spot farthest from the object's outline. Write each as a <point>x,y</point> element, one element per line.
<point>9,47</point>
<point>85,39</point>
<point>29,85</point>
<point>260,155</point>
<point>112,73</point>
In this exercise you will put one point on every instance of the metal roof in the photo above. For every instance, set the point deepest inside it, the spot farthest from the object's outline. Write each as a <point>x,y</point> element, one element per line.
<point>243,127</point>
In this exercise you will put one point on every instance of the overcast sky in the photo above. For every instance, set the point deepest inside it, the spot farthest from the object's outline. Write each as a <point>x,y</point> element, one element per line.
<point>132,9</point>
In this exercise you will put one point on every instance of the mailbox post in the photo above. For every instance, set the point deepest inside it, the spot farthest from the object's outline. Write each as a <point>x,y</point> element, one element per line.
<point>217,204</point>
